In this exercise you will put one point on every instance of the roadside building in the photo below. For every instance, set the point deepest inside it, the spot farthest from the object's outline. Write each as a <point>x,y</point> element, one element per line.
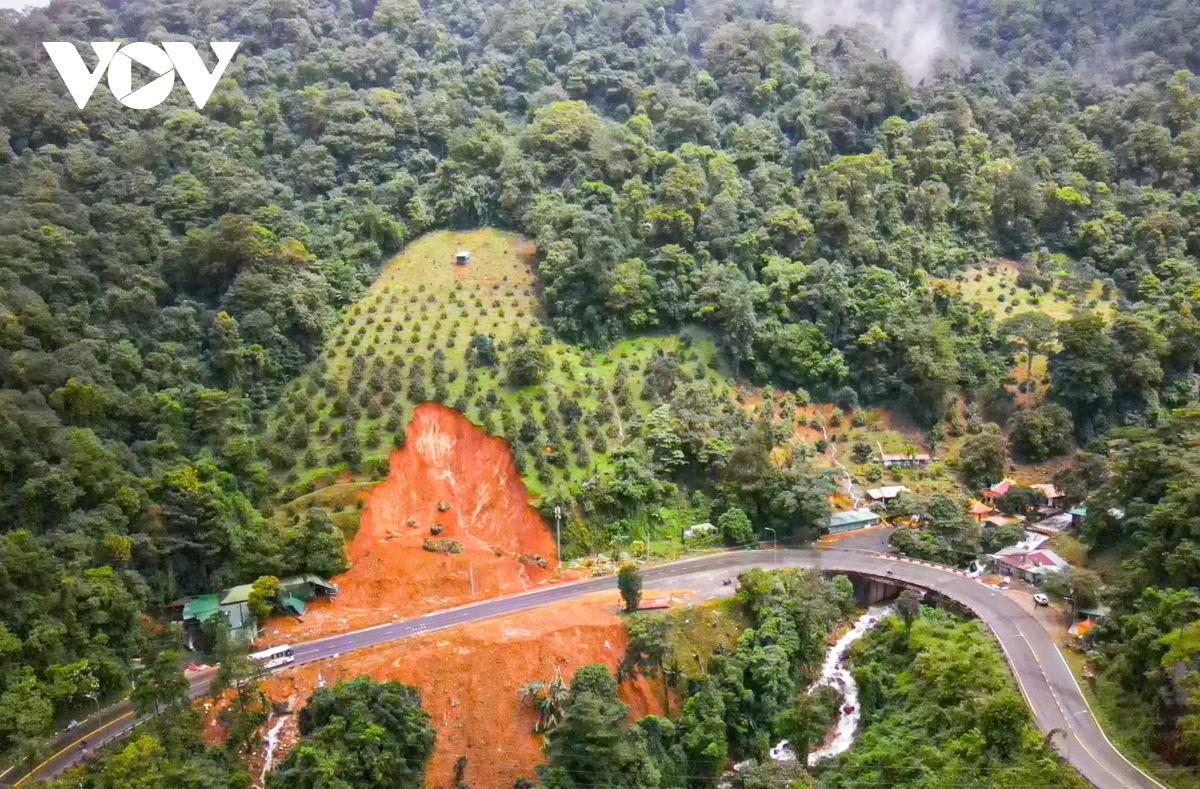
<point>851,520</point>
<point>462,257</point>
<point>699,530</point>
<point>1077,516</point>
<point>1028,565</point>
<point>233,603</point>
<point>885,495</point>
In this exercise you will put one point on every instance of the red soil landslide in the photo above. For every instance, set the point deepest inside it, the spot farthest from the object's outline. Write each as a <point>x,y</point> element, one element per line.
<point>470,679</point>
<point>448,460</point>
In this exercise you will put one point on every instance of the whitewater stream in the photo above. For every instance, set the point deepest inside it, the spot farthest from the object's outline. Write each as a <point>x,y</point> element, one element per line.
<point>836,675</point>
<point>272,739</point>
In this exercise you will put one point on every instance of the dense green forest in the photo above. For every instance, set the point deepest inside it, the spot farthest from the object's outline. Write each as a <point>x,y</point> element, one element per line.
<point>165,273</point>
<point>733,705</point>
<point>941,710</point>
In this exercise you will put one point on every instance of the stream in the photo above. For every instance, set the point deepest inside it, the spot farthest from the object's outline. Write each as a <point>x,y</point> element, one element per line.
<point>835,674</point>
<point>272,739</point>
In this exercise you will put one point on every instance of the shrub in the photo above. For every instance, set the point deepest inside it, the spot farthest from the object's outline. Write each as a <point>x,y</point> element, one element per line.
<point>735,527</point>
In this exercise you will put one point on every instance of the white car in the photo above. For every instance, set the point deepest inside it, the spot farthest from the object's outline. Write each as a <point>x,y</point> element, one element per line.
<point>1041,599</point>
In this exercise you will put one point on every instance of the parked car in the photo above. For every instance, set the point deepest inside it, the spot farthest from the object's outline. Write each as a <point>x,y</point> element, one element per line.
<point>1041,599</point>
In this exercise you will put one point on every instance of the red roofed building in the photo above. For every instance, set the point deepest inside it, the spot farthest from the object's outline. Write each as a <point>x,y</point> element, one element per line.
<point>1028,565</point>
<point>996,491</point>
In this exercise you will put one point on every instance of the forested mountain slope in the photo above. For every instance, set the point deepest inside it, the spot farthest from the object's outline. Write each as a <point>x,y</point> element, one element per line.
<point>163,273</point>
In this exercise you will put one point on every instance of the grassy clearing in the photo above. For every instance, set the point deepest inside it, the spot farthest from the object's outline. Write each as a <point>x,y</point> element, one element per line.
<point>344,500</point>
<point>836,442</point>
<point>423,306</point>
<point>995,289</point>
<point>1129,724</point>
<point>697,632</point>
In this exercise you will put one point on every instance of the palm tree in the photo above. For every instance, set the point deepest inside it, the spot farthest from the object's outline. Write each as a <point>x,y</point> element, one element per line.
<point>549,699</point>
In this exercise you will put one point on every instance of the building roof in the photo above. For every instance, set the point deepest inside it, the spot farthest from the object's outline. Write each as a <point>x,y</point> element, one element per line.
<point>1081,629</point>
<point>292,604</point>
<point>1049,491</point>
<point>1002,520</point>
<point>1032,542</point>
<point>1000,488</point>
<point>295,585</point>
<point>1045,559</point>
<point>464,253</point>
<point>236,594</point>
<point>201,608</point>
<point>979,508</point>
<point>1054,524</point>
<point>888,457</point>
<point>1035,562</point>
<point>1078,512</point>
<point>887,492</point>
<point>291,583</point>
<point>852,517</point>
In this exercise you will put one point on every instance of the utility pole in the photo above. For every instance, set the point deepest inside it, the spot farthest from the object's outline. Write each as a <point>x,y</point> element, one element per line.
<point>471,572</point>
<point>558,534</point>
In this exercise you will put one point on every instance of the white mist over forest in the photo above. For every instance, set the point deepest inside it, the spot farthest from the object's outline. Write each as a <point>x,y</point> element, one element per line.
<point>915,33</point>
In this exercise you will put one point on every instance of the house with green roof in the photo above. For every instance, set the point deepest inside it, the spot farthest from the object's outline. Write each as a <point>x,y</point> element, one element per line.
<point>233,603</point>
<point>851,520</point>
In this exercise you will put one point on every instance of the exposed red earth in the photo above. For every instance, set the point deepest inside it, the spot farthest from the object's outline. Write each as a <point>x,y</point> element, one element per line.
<point>470,678</point>
<point>453,475</point>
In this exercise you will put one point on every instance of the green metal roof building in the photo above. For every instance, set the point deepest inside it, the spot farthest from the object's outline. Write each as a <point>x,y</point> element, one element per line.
<point>851,520</point>
<point>234,603</point>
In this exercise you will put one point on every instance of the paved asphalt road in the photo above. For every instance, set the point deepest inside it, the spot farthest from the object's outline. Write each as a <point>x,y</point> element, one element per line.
<point>1045,679</point>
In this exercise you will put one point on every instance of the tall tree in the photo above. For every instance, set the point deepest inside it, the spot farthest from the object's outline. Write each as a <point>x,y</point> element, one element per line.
<point>1032,332</point>
<point>359,734</point>
<point>629,583</point>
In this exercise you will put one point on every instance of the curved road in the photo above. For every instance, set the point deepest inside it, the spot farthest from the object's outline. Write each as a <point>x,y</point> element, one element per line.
<point>1044,677</point>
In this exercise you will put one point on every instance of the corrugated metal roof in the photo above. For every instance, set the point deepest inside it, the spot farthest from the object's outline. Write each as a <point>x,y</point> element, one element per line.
<point>852,516</point>
<point>887,492</point>
<point>202,607</point>
<point>300,583</point>
<point>237,594</point>
<point>293,604</point>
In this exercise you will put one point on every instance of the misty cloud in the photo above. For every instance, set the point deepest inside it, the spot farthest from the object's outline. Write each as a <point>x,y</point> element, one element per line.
<point>914,32</point>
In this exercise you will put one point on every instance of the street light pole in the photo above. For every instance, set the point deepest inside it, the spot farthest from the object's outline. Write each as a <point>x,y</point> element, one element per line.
<point>774,542</point>
<point>1068,734</point>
